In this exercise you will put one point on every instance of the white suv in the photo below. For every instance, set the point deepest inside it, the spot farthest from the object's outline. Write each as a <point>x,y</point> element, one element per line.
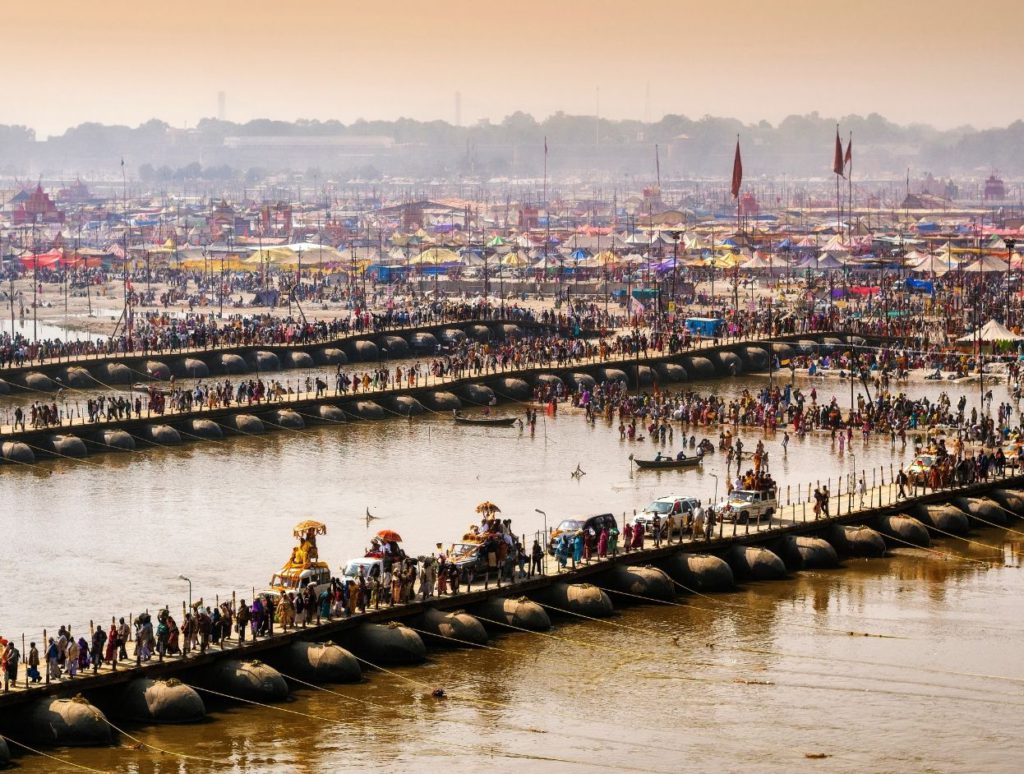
<point>679,507</point>
<point>744,505</point>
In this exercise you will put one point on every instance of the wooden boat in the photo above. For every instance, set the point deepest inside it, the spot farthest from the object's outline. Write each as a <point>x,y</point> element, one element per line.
<point>668,463</point>
<point>484,421</point>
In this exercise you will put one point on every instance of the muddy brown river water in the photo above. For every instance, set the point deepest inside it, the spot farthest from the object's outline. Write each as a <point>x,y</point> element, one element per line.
<point>754,680</point>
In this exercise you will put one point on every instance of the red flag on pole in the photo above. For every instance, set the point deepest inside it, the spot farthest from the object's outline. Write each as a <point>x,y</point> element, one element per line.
<point>837,162</point>
<point>848,158</point>
<point>737,172</point>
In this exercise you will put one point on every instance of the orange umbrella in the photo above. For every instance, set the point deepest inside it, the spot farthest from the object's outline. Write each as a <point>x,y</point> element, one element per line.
<point>389,536</point>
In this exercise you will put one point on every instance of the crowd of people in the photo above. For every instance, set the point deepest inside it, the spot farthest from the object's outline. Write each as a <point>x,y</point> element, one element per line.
<point>161,332</point>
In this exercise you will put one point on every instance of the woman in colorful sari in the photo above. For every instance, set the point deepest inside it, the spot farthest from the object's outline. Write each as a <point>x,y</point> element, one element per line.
<point>84,661</point>
<point>602,544</point>
<point>110,655</point>
<point>256,617</point>
<point>577,548</point>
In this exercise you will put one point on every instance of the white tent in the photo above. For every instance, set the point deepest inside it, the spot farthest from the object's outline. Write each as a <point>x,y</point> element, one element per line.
<point>991,331</point>
<point>987,264</point>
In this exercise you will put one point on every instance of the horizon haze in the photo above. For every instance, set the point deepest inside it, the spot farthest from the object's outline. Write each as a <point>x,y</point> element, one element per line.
<point>751,60</point>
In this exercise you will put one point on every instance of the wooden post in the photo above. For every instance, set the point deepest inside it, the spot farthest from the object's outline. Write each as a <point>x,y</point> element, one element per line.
<point>46,656</point>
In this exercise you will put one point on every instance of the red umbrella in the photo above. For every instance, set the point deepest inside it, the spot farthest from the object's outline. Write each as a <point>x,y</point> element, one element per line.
<point>389,536</point>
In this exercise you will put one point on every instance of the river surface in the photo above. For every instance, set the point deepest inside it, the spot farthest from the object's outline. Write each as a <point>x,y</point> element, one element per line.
<point>753,680</point>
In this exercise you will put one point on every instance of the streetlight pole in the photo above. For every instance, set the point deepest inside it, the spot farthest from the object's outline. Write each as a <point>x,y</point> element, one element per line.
<point>545,560</point>
<point>189,582</point>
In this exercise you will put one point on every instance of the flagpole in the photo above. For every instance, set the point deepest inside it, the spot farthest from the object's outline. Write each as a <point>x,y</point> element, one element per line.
<point>849,181</point>
<point>836,169</point>
<point>547,214</point>
<point>739,229</point>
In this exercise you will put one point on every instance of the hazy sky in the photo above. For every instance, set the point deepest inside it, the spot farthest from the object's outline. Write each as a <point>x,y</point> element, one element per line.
<point>933,61</point>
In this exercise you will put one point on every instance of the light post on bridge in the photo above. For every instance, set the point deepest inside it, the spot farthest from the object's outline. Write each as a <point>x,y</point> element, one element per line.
<point>545,560</point>
<point>189,582</point>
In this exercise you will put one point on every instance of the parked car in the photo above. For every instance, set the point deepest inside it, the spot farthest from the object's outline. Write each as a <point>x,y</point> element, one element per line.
<point>744,505</point>
<point>678,506</point>
<point>372,566</point>
<point>575,524</point>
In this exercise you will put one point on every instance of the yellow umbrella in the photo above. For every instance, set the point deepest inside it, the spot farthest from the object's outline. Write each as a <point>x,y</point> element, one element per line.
<point>303,527</point>
<point>515,260</point>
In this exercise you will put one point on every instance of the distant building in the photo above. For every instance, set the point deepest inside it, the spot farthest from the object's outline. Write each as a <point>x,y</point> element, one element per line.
<point>276,219</point>
<point>749,206</point>
<point>995,188</point>
<point>76,193</point>
<point>924,201</point>
<point>529,218</point>
<point>37,207</point>
<point>224,219</point>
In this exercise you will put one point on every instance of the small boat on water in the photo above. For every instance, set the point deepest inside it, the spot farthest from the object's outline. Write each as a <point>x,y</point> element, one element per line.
<point>667,463</point>
<point>484,420</point>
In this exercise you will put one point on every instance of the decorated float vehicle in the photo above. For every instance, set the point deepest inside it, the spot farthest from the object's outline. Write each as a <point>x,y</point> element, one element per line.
<point>303,567</point>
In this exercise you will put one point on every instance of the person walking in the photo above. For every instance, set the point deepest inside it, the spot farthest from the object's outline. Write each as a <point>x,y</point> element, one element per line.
<point>536,558</point>
<point>52,660</point>
<point>33,664</point>
<point>124,634</point>
<point>242,621</point>
<point>901,482</point>
<point>11,657</point>
<point>72,658</point>
<point>710,528</point>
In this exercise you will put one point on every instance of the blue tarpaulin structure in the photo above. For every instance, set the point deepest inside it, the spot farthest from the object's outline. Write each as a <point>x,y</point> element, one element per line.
<point>920,286</point>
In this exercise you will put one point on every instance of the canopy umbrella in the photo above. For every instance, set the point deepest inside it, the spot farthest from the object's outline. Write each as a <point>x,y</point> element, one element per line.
<point>389,536</point>
<point>488,508</point>
<point>496,241</point>
<point>515,260</point>
<point>303,527</point>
